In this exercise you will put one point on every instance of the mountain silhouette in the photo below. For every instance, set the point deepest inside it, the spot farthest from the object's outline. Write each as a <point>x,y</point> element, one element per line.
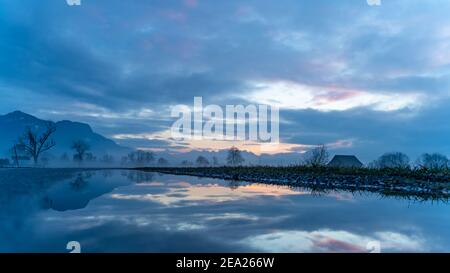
<point>12,126</point>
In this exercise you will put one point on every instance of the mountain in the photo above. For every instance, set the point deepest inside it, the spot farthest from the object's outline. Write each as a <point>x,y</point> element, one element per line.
<point>12,126</point>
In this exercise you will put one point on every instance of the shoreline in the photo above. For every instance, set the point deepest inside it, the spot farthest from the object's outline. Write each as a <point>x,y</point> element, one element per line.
<point>389,185</point>
<point>399,183</point>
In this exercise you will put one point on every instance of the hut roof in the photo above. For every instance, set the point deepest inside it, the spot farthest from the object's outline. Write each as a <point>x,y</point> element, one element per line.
<point>346,161</point>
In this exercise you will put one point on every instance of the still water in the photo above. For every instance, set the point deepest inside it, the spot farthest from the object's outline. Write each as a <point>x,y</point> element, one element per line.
<point>131,211</point>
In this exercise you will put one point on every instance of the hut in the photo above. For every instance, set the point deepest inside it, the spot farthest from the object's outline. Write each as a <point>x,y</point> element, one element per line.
<point>345,161</point>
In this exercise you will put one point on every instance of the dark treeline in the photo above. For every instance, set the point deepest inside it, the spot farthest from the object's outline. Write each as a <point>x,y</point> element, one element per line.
<point>33,149</point>
<point>436,162</point>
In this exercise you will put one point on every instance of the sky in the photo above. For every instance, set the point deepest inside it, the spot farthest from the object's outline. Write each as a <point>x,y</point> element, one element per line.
<point>363,79</point>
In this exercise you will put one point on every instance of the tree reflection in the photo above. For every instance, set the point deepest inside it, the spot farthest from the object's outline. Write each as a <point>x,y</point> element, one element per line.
<point>138,177</point>
<point>233,185</point>
<point>79,183</point>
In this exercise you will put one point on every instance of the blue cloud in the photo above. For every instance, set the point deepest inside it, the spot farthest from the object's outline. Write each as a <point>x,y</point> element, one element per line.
<point>105,62</point>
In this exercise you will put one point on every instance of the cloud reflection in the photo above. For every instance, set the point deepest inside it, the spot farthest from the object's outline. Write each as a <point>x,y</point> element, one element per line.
<point>130,212</point>
<point>332,241</point>
<point>214,193</point>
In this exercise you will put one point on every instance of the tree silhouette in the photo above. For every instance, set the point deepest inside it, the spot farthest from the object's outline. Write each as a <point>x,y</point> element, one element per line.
<point>17,152</point>
<point>186,163</point>
<point>433,161</point>
<point>234,157</point>
<point>317,157</point>
<point>162,161</point>
<point>35,144</point>
<point>80,147</point>
<point>393,160</point>
<point>202,161</point>
<point>107,159</point>
<point>140,158</point>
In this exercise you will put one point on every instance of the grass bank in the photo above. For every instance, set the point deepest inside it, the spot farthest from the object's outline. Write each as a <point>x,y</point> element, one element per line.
<point>404,182</point>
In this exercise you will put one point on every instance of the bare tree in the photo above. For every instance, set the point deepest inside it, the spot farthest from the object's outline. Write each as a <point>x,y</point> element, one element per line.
<point>393,160</point>
<point>80,147</point>
<point>234,157</point>
<point>35,144</point>
<point>433,161</point>
<point>140,158</point>
<point>202,161</point>
<point>15,154</point>
<point>144,158</point>
<point>90,157</point>
<point>107,159</point>
<point>162,161</point>
<point>317,157</point>
<point>186,163</point>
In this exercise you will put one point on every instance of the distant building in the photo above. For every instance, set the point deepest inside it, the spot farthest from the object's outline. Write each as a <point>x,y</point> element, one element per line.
<point>345,161</point>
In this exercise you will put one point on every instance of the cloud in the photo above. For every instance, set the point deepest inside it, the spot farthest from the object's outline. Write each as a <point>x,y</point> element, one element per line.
<point>332,241</point>
<point>211,193</point>
<point>290,95</point>
<point>354,70</point>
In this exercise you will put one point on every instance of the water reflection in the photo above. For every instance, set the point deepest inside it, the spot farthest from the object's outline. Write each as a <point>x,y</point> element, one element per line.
<point>333,241</point>
<point>130,211</point>
<point>138,177</point>
<point>184,193</point>
<point>77,192</point>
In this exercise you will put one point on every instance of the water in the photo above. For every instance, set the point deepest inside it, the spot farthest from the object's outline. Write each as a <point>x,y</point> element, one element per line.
<point>130,211</point>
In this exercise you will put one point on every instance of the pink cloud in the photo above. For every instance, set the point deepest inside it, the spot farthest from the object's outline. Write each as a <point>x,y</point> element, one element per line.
<point>333,245</point>
<point>337,95</point>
